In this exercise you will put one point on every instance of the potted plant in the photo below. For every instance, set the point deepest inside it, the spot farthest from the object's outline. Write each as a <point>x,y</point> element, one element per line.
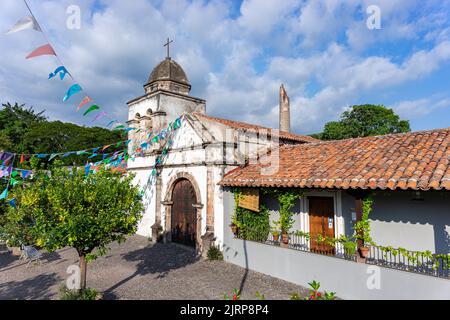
<point>234,228</point>
<point>362,227</point>
<point>234,225</point>
<point>275,230</point>
<point>275,235</point>
<point>285,238</point>
<point>364,251</point>
<point>286,199</point>
<point>286,223</point>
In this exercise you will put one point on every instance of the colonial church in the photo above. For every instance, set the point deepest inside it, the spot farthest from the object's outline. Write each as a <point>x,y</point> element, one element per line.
<point>183,201</point>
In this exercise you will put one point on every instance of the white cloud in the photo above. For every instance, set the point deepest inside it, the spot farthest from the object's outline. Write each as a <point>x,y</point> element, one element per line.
<point>415,109</point>
<point>321,50</point>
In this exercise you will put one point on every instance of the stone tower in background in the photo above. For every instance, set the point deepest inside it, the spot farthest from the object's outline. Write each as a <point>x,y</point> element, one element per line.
<point>285,111</point>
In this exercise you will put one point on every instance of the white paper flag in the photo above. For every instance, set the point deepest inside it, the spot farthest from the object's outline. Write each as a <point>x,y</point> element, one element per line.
<point>25,23</point>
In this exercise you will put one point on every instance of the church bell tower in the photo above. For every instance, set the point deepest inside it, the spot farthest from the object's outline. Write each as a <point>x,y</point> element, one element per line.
<point>166,97</point>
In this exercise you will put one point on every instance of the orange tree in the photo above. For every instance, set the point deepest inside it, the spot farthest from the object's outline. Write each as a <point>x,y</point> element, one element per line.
<point>69,208</point>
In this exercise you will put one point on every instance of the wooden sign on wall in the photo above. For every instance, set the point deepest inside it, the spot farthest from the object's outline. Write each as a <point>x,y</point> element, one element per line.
<point>250,199</point>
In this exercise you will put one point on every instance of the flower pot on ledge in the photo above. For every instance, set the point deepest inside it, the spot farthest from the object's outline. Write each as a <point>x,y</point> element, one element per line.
<point>284,240</point>
<point>276,237</point>
<point>234,229</point>
<point>364,252</point>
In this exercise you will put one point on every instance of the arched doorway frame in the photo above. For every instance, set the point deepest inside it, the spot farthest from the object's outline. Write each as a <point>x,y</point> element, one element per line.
<point>168,203</point>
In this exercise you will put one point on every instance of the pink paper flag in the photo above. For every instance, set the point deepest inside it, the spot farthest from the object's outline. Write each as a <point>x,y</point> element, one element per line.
<point>41,51</point>
<point>100,115</point>
<point>85,101</point>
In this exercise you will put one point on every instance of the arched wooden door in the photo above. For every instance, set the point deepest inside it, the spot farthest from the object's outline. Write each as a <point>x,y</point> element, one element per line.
<point>184,215</point>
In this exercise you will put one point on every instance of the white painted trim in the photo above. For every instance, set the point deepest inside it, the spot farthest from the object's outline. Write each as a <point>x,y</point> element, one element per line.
<point>339,225</point>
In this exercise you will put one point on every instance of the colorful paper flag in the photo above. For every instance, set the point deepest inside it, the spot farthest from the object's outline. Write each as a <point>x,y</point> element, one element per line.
<point>12,203</point>
<point>84,102</point>
<point>22,158</point>
<point>92,108</point>
<point>5,172</point>
<point>53,156</point>
<point>4,194</point>
<point>109,124</point>
<point>87,168</point>
<point>62,71</point>
<point>26,173</point>
<point>72,90</point>
<point>25,23</point>
<point>100,115</point>
<point>41,51</point>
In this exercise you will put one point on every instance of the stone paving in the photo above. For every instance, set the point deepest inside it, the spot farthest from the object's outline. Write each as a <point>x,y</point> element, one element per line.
<point>137,269</point>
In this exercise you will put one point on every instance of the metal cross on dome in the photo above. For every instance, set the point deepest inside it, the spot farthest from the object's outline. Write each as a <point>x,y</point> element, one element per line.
<point>168,47</point>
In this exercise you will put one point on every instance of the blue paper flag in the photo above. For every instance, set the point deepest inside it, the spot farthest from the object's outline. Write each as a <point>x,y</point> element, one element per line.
<point>42,156</point>
<point>25,173</point>
<point>12,203</point>
<point>87,168</point>
<point>4,194</point>
<point>62,71</point>
<point>72,90</point>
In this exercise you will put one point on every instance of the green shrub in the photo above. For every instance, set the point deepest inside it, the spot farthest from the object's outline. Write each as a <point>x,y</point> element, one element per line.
<point>295,296</point>
<point>214,253</point>
<point>86,294</point>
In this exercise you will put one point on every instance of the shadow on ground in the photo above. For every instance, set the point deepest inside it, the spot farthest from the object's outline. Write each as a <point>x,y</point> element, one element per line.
<point>37,288</point>
<point>158,259</point>
<point>7,259</point>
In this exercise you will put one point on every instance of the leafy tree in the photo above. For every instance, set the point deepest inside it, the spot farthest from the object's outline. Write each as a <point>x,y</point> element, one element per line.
<point>363,121</point>
<point>15,120</point>
<point>56,136</point>
<point>69,208</point>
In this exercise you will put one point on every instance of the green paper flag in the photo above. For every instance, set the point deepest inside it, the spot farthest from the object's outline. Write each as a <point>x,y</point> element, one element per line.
<point>92,108</point>
<point>14,174</point>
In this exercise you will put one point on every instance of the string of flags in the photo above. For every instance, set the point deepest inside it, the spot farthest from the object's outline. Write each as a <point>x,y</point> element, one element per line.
<point>89,106</point>
<point>30,22</point>
<point>110,160</point>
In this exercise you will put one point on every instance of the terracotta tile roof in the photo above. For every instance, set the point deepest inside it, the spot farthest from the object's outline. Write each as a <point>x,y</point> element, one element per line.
<point>247,126</point>
<point>417,161</point>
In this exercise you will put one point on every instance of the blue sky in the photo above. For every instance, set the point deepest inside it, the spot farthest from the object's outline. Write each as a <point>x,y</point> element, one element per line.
<point>237,54</point>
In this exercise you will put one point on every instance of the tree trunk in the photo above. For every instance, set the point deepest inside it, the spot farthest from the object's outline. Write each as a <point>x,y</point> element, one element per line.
<point>83,271</point>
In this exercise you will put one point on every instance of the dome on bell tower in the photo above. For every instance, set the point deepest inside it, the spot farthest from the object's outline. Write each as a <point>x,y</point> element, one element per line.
<point>168,75</point>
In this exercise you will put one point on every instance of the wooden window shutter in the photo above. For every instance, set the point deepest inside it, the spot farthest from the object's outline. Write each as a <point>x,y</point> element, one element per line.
<point>250,199</point>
